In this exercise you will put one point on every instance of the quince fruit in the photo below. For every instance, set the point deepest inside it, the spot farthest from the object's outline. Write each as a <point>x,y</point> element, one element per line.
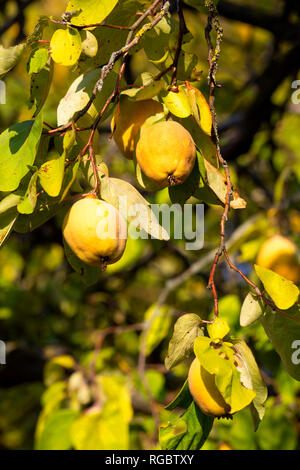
<point>129,119</point>
<point>279,254</point>
<point>166,153</point>
<point>95,231</point>
<point>204,391</point>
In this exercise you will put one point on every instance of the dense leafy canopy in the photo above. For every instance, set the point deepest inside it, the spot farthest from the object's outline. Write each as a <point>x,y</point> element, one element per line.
<point>98,358</point>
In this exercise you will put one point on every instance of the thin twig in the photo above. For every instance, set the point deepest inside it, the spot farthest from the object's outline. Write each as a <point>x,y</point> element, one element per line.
<point>106,69</point>
<point>182,30</point>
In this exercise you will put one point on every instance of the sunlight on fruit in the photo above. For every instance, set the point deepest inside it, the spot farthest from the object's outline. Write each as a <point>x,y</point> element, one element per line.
<point>128,121</point>
<point>95,231</point>
<point>279,254</point>
<point>204,391</point>
<point>166,153</point>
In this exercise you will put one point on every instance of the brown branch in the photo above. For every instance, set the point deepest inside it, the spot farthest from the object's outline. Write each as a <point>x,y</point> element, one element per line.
<point>213,56</point>
<point>94,25</point>
<point>182,31</point>
<point>106,69</point>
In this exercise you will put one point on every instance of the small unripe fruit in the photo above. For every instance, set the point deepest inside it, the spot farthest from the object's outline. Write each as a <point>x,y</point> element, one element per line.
<point>166,153</point>
<point>95,231</point>
<point>204,391</point>
<point>279,254</point>
<point>129,120</point>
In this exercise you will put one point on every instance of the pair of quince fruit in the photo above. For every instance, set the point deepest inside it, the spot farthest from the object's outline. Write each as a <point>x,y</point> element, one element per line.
<point>94,230</point>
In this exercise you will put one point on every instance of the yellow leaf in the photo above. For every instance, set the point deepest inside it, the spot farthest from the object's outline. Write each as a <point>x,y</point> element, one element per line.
<point>282,291</point>
<point>51,175</point>
<point>218,329</point>
<point>217,183</point>
<point>200,109</point>
<point>65,46</point>
<point>178,103</point>
<point>64,361</point>
<point>87,12</point>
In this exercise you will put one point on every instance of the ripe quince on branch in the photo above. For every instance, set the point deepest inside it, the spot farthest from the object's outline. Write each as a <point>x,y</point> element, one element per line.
<point>128,120</point>
<point>95,231</point>
<point>279,254</point>
<point>166,153</point>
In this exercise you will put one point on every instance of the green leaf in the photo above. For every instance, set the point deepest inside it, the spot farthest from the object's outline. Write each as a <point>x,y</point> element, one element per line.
<point>189,432</point>
<point>145,92</point>
<point>229,310</point>
<point>217,182</point>
<point>277,430</point>
<point>186,65</point>
<point>7,222</point>
<point>117,395</point>
<point>124,14</point>
<point>133,252</point>
<point>65,46</point>
<point>156,41</point>
<point>283,331</point>
<point>42,23</point>
<point>18,148</point>
<point>108,428</point>
<point>283,292</point>
<point>9,58</point>
<point>157,384</point>
<point>56,433</point>
<point>203,141</point>
<point>182,192</point>
<point>145,87</point>
<point>252,309</point>
<point>86,432</point>
<point>40,87</point>
<point>54,395</point>
<point>207,195</point>
<point>87,12</point>
<point>37,60</point>
<point>183,399</point>
<point>186,330</point>
<point>69,141</point>
<point>250,371</point>
<point>69,178</point>
<point>28,202</point>
<point>79,94</point>
<point>158,322</point>
<point>43,212</point>
<point>89,274</point>
<point>51,175</point>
